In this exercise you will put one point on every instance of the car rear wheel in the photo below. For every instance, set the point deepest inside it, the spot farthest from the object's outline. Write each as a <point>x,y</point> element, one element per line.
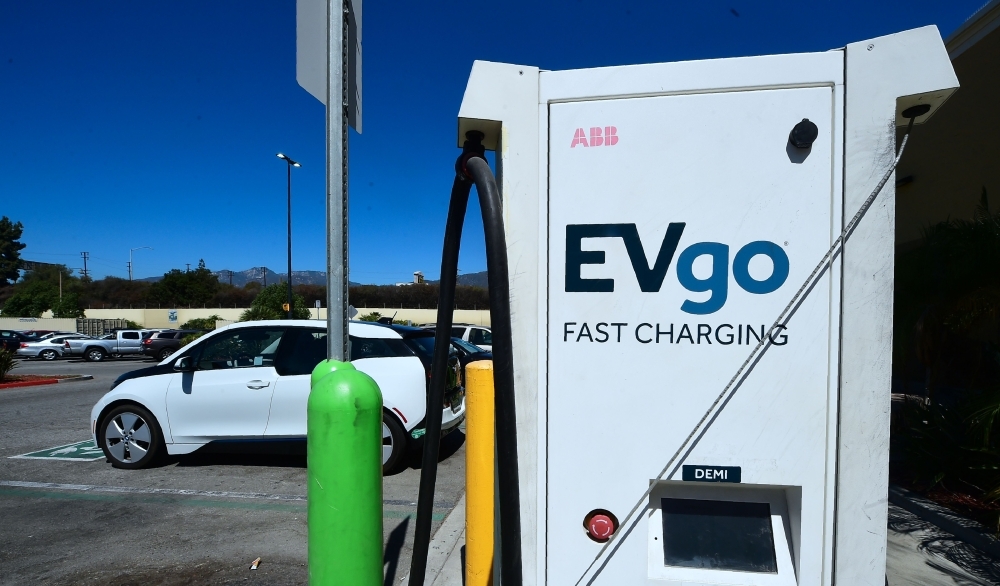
<point>94,355</point>
<point>130,437</point>
<point>48,355</point>
<point>393,443</point>
<point>165,353</point>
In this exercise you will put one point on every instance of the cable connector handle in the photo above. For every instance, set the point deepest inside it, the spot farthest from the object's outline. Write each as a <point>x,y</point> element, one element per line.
<point>471,149</point>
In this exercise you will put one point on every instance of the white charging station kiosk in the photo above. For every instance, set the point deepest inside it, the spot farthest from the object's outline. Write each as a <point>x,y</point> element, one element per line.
<point>658,220</point>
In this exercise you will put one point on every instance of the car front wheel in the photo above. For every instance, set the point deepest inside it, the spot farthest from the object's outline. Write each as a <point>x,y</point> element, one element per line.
<point>94,355</point>
<point>393,443</point>
<point>48,355</point>
<point>130,437</point>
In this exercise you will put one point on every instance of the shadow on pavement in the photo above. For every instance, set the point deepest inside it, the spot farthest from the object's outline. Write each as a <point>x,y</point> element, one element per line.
<point>270,454</point>
<point>290,454</point>
<point>934,540</point>
<point>393,547</point>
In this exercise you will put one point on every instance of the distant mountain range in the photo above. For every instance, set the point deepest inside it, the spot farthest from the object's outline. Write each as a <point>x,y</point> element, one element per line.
<point>479,279</point>
<point>241,278</point>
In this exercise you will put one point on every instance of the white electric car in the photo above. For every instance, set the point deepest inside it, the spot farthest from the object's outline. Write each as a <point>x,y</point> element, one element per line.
<point>250,381</point>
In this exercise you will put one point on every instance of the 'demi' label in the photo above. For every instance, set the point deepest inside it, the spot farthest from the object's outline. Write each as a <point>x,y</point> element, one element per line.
<point>711,474</point>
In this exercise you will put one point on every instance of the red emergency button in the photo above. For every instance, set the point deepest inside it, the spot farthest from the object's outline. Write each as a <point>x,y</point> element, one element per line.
<point>600,525</point>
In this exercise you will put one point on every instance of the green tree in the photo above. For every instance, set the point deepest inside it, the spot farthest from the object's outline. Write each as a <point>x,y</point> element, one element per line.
<point>38,291</point>
<point>180,288</point>
<point>268,304</point>
<point>68,306</point>
<point>201,323</point>
<point>31,303</point>
<point>259,313</point>
<point>10,251</point>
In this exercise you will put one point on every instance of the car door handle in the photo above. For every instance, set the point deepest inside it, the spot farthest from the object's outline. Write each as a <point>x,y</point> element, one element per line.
<point>257,384</point>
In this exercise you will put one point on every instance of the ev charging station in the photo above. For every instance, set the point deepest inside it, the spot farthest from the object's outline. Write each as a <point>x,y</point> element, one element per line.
<point>659,219</point>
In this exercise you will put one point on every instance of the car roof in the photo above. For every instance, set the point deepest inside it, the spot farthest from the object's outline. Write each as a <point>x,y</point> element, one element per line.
<point>364,329</point>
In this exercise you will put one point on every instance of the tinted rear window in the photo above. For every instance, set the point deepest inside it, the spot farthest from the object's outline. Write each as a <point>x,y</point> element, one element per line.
<point>130,335</point>
<point>362,348</point>
<point>166,335</point>
<point>301,351</point>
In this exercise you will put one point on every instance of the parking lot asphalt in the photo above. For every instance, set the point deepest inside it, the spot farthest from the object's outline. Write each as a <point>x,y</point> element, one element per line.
<point>197,519</point>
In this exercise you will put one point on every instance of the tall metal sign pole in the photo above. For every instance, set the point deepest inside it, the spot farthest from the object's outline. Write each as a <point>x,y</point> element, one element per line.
<point>328,66</point>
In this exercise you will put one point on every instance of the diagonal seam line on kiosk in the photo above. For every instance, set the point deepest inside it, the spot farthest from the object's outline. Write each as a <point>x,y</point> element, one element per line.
<point>755,355</point>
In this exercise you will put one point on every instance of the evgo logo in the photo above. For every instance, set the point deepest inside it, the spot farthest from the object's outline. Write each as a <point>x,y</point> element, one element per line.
<point>651,278</point>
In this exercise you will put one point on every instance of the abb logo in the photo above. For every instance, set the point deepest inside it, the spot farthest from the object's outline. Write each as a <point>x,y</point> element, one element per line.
<point>608,138</point>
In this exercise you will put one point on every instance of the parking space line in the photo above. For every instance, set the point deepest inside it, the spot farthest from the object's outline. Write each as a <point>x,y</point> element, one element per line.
<point>188,492</point>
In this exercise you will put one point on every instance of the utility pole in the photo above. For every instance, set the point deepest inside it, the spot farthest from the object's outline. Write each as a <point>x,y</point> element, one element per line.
<point>188,267</point>
<point>129,265</point>
<point>86,257</point>
<point>263,271</point>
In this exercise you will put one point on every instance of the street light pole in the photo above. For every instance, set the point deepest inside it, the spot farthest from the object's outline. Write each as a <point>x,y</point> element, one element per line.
<point>130,265</point>
<point>289,166</point>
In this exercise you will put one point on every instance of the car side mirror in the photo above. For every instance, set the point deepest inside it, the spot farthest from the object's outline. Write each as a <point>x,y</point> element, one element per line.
<point>184,364</point>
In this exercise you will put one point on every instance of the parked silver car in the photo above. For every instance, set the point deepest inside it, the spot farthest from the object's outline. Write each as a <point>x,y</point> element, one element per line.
<point>49,348</point>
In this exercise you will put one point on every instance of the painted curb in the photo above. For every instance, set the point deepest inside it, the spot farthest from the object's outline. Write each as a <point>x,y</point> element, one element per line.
<point>44,381</point>
<point>29,383</point>
<point>964,529</point>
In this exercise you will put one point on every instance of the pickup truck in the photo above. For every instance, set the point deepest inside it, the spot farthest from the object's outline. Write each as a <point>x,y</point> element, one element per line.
<point>124,343</point>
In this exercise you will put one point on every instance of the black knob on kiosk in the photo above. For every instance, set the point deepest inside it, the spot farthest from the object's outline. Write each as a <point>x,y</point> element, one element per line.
<point>803,134</point>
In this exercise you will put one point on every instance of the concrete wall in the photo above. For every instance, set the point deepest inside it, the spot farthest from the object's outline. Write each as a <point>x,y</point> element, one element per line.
<point>160,318</point>
<point>31,323</point>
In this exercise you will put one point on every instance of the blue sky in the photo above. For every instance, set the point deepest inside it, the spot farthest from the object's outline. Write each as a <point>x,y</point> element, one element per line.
<point>127,124</point>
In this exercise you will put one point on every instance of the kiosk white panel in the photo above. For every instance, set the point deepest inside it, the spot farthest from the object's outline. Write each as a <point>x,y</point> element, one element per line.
<point>636,354</point>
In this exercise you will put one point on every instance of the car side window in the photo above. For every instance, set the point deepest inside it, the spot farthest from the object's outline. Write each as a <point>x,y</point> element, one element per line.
<point>362,348</point>
<point>481,337</point>
<point>302,351</point>
<point>130,335</point>
<point>457,332</point>
<point>242,348</point>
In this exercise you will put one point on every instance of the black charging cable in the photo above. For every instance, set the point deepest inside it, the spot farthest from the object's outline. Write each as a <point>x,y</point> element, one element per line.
<point>472,169</point>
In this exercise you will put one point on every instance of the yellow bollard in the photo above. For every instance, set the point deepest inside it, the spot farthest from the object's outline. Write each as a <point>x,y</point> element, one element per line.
<point>479,473</point>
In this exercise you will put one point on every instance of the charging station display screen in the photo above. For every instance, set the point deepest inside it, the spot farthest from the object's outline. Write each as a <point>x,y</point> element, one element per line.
<point>718,535</point>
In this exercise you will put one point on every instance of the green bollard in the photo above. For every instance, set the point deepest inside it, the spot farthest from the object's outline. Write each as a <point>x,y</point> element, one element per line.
<point>344,460</point>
